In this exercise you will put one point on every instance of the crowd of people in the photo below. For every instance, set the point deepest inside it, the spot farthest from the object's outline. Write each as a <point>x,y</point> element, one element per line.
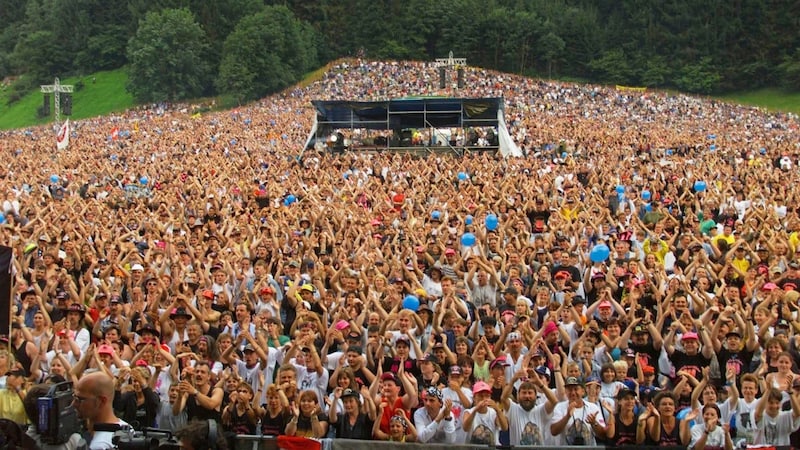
<point>633,279</point>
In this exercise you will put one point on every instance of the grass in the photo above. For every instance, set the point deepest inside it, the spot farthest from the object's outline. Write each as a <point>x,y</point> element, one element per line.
<point>103,93</point>
<point>772,99</point>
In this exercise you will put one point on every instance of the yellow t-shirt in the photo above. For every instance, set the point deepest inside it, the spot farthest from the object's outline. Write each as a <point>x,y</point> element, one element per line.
<point>11,407</point>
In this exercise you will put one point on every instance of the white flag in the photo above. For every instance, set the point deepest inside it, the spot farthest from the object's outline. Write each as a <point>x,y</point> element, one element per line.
<point>62,140</point>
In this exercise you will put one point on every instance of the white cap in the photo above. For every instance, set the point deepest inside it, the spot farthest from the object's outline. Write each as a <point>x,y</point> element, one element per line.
<point>137,266</point>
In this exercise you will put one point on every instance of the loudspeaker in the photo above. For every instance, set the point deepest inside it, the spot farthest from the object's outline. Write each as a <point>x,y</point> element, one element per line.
<point>461,78</point>
<point>66,104</point>
<point>46,105</point>
<point>442,77</point>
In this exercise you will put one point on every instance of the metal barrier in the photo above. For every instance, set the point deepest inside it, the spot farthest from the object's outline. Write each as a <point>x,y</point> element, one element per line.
<point>252,442</point>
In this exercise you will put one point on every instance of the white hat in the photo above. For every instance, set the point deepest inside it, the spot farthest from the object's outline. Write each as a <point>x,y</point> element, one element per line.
<point>137,266</point>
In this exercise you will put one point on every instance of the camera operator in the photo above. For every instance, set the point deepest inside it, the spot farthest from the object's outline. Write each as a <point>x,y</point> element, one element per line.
<point>93,398</point>
<point>75,442</point>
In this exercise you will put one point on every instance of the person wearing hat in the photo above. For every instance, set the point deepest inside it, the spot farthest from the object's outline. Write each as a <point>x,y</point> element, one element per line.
<point>354,422</point>
<point>255,359</point>
<point>76,324</point>
<point>113,315</point>
<point>575,421</point>
<point>736,353</point>
<point>460,397</point>
<point>691,359</point>
<point>174,324</point>
<point>434,421</point>
<point>643,338</point>
<point>12,396</point>
<point>527,420</point>
<point>623,426</point>
<point>389,400</point>
<point>484,421</point>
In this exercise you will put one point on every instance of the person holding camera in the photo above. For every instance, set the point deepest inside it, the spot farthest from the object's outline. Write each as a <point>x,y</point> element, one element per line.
<point>75,441</point>
<point>93,399</point>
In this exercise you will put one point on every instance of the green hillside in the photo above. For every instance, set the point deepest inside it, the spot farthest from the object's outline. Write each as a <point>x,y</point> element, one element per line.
<point>101,94</point>
<point>104,93</point>
<point>769,98</point>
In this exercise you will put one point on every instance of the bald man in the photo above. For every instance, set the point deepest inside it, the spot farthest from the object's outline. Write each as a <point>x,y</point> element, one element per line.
<point>93,398</point>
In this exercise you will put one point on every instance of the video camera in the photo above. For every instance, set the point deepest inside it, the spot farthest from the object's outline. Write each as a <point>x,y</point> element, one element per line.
<point>148,439</point>
<point>58,419</point>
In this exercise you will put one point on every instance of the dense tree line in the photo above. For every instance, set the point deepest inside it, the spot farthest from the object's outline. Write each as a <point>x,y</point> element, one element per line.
<point>248,48</point>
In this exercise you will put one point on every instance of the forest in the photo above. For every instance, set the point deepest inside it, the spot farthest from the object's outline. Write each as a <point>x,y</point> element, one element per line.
<point>179,49</point>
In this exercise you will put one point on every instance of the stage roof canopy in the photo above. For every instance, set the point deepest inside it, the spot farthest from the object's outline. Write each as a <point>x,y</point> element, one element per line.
<point>419,112</point>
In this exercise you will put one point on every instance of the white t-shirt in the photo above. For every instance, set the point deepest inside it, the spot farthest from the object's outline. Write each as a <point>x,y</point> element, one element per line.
<point>102,439</point>
<point>775,430</point>
<point>577,424</point>
<point>745,421</point>
<point>714,439</point>
<point>529,427</point>
<point>457,411</point>
<point>484,429</point>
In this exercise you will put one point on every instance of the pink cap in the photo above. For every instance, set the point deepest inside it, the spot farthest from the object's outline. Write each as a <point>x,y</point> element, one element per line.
<point>769,286</point>
<point>549,328</point>
<point>141,363</point>
<point>342,325</point>
<point>481,386</point>
<point>605,304</point>
<point>449,251</point>
<point>689,335</point>
<point>105,349</point>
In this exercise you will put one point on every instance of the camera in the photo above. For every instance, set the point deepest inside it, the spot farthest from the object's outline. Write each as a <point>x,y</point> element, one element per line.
<point>639,313</point>
<point>58,419</point>
<point>148,439</point>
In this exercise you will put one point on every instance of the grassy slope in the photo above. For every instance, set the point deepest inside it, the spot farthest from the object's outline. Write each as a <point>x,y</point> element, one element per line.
<point>105,95</point>
<point>770,98</point>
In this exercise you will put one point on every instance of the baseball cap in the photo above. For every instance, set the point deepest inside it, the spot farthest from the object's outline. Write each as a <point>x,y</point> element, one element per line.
<point>514,336</point>
<point>455,370</point>
<point>604,304</point>
<point>648,370</point>
<point>549,328</point>
<point>342,325</point>
<point>136,267</point>
<point>623,393</point>
<point>105,349</point>
<point>389,376</point>
<point>639,329</point>
<point>15,372</point>
<point>572,381</point>
<point>630,353</point>
<point>593,380</point>
<point>349,393</point>
<point>481,386</point>
<point>499,361</point>
<point>689,335</point>
<point>543,370</point>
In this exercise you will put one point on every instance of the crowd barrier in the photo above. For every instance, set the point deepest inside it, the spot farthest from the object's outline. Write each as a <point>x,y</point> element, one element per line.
<point>252,442</point>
